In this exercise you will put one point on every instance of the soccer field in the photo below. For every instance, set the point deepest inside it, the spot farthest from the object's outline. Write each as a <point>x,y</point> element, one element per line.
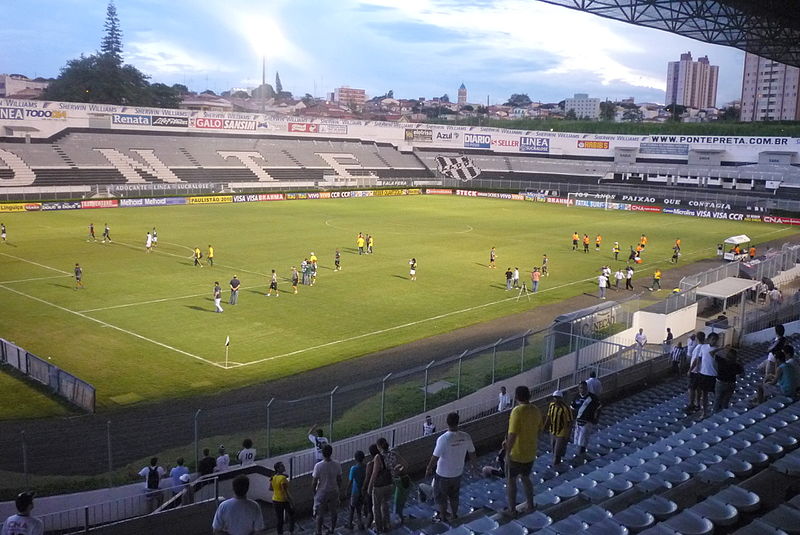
<point>144,327</point>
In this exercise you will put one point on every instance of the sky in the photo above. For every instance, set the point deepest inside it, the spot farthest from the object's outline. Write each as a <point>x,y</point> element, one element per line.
<point>414,47</point>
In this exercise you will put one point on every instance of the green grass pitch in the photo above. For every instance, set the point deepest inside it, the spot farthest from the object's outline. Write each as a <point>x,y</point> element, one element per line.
<point>144,328</point>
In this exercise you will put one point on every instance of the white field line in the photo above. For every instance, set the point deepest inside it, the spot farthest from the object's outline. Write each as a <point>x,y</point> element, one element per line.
<point>36,264</point>
<point>156,250</point>
<point>105,324</point>
<point>153,301</point>
<point>36,279</point>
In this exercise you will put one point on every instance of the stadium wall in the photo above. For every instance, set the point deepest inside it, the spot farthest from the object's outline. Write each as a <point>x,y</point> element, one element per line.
<point>22,120</point>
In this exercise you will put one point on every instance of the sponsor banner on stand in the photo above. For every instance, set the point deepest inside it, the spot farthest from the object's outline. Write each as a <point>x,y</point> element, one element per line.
<point>46,114</point>
<point>589,144</point>
<point>296,196</point>
<point>477,141</point>
<point>65,205</point>
<point>467,192</point>
<point>673,149</point>
<point>12,207</point>
<point>325,195</point>
<point>781,220</point>
<point>33,206</point>
<point>446,137</point>
<point>364,193</point>
<point>258,197</point>
<point>389,192</point>
<point>505,143</point>
<point>129,119</point>
<point>211,199</point>
<point>206,123</point>
<point>413,191</point>
<point>437,191</point>
<point>308,128</point>
<point>332,129</point>
<point>420,135</point>
<point>560,200</point>
<point>534,144</point>
<point>645,208</point>
<point>12,114</point>
<point>100,203</point>
<point>151,201</point>
<point>534,197</point>
<point>237,124</point>
<point>340,194</point>
<point>517,197</point>
<point>178,122</point>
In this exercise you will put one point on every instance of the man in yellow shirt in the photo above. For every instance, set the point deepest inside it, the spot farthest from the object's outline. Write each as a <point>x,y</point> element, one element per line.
<point>575,239</point>
<point>524,425</point>
<point>360,241</point>
<point>210,256</point>
<point>656,280</point>
<point>597,241</point>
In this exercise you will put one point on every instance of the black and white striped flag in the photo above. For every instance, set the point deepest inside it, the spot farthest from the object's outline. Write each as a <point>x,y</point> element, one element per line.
<point>458,167</point>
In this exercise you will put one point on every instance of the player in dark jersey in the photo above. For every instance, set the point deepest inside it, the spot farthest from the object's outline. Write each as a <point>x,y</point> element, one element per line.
<point>492,258</point>
<point>3,232</point>
<point>545,266</point>
<point>295,279</point>
<point>91,232</point>
<point>107,233</point>
<point>78,277</point>
<point>273,285</point>
<point>337,260</point>
<point>412,268</point>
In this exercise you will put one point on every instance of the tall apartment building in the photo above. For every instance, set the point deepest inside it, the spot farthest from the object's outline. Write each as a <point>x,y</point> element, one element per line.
<point>692,83</point>
<point>462,95</point>
<point>770,90</point>
<point>584,106</point>
<point>350,97</point>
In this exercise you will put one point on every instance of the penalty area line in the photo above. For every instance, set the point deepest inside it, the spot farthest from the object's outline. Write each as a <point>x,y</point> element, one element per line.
<point>156,250</point>
<point>37,264</point>
<point>109,325</point>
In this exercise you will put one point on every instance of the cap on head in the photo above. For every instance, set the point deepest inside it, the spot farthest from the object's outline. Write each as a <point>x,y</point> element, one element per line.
<point>558,394</point>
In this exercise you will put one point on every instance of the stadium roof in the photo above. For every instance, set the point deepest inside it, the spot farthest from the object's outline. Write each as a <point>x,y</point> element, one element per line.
<point>767,28</point>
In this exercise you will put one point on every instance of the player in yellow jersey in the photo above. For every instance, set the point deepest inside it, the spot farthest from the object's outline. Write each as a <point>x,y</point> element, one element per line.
<point>210,256</point>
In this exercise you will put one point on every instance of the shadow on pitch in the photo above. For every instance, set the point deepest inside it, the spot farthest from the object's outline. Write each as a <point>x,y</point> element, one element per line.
<point>482,265</point>
<point>404,277</point>
<point>199,309</point>
<point>67,286</point>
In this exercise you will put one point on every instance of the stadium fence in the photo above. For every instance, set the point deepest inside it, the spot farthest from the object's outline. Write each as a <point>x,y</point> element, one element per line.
<point>63,384</point>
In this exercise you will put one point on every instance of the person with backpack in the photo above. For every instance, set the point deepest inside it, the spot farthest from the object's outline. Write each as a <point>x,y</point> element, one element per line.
<point>380,488</point>
<point>152,475</point>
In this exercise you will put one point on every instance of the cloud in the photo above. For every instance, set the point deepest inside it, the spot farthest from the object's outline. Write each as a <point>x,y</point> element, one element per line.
<point>164,57</point>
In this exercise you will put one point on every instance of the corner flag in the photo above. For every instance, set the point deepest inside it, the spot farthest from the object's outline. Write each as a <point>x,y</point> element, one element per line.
<point>227,341</point>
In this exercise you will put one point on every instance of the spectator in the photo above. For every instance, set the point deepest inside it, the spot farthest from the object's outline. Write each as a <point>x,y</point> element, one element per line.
<point>784,382</point>
<point>587,413</point>
<point>602,284</point>
<point>238,515</point>
<point>503,400</point>
<point>677,357</point>
<point>668,342</point>
<point>691,344</point>
<point>791,358</point>
<point>380,487</point>
<point>641,341</point>
<point>558,422</point>
<point>177,471</point>
<point>594,384</point>
<point>694,390</point>
<point>524,426</point>
<point>223,460</point>
<point>318,440</point>
<point>207,464</point>
<point>728,367</point>
<point>152,475</point>
<point>23,523</point>
<point>778,343</point>
<point>401,483</point>
<point>428,427</point>
<point>367,488</point>
<point>499,467</point>
<point>248,453</point>
<point>281,498</point>
<point>355,484</point>
<point>452,447</point>
<point>706,370</point>
<point>327,484</point>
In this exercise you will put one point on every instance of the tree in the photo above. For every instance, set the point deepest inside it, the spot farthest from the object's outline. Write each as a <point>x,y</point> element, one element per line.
<point>390,94</point>
<point>264,91</point>
<point>633,115</point>
<point>607,110</point>
<point>482,110</point>
<point>468,108</point>
<point>731,113</point>
<point>675,111</point>
<point>519,100</point>
<point>111,44</point>
<point>208,92</point>
<point>240,94</point>
<point>278,84</point>
<point>180,89</point>
<point>307,99</point>
<point>571,115</point>
<point>444,98</point>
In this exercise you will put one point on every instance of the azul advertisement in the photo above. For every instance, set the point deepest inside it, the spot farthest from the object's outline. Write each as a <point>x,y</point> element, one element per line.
<point>477,141</point>
<point>128,119</point>
<point>534,144</point>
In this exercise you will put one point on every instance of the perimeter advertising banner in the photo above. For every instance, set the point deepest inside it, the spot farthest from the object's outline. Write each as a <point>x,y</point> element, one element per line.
<point>100,203</point>
<point>212,199</point>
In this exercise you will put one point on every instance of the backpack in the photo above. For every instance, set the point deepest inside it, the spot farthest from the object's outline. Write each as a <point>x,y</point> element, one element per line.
<point>384,477</point>
<point>152,477</point>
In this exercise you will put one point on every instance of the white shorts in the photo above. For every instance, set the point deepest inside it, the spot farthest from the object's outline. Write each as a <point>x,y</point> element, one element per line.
<point>412,272</point>
<point>581,433</point>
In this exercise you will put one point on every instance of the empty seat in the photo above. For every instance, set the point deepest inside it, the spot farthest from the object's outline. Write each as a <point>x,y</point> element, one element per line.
<point>789,465</point>
<point>543,499</point>
<point>717,511</point>
<point>435,528</point>
<point>716,475</point>
<point>568,526</point>
<point>565,490</point>
<point>634,518</point>
<point>658,506</point>
<point>617,484</point>
<point>460,530</point>
<point>759,527</point>
<point>593,515</point>
<point>659,529</point>
<point>534,521</point>
<point>744,500</point>
<point>689,523</point>
<point>784,518</point>
<point>483,524</point>
<point>512,528</point>
<point>608,526</point>
<point>597,494</point>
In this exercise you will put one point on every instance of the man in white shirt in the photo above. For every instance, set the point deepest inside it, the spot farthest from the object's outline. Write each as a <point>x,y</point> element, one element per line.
<point>641,341</point>
<point>602,284</point>
<point>238,515</point>
<point>447,460</point>
<point>318,440</point>
<point>694,390</point>
<point>152,475</point>
<point>594,385</point>
<point>223,461</point>
<point>327,484</point>
<point>23,523</point>
<point>503,400</point>
<point>705,366</point>
<point>248,453</point>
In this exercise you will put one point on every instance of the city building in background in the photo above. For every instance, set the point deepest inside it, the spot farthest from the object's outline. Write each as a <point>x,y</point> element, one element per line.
<point>770,90</point>
<point>20,86</point>
<point>583,106</point>
<point>692,84</point>
<point>350,97</point>
<point>462,95</point>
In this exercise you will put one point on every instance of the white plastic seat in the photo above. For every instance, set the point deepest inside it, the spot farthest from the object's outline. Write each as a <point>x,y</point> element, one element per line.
<point>784,518</point>
<point>717,511</point>
<point>592,515</point>
<point>511,528</point>
<point>688,523</point>
<point>744,500</point>
<point>607,527</point>
<point>658,506</point>
<point>634,518</point>
<point>534,521</point>
<point>483,524</point>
